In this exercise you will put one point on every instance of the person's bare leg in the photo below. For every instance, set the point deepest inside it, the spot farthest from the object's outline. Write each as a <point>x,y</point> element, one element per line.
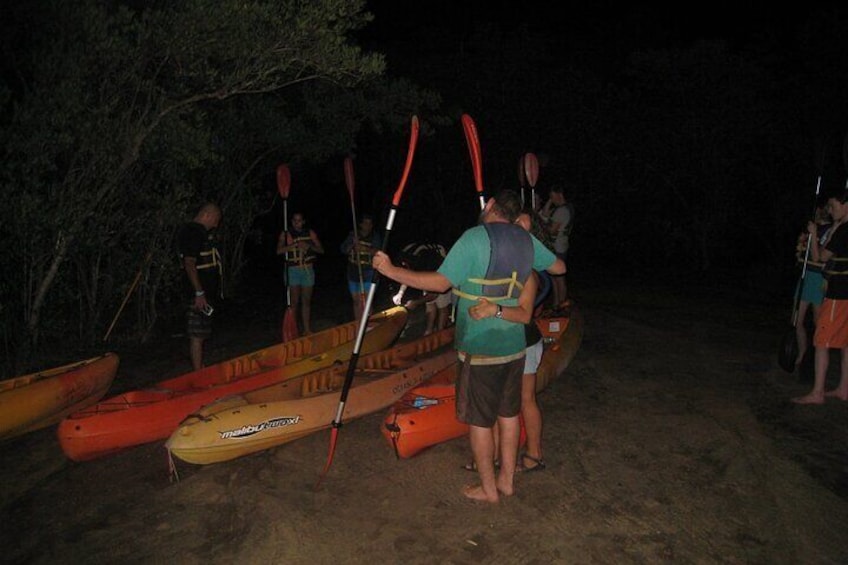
<point>295,292</point>
<point>816,396</point>
<point>483,448</point>
<point>801,331</point>
<point>559,288</point>
<point>442,317</point>
<point>532,417</point>
<point>306,309</point>
<point>195,351</point>
<point>358,304</point>
<point>431,317</point>
<point>841,391</point>
<point>509,431</point>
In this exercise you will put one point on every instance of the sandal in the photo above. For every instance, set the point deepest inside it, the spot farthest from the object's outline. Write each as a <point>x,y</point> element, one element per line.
<point>539,464</point>
<point>472,466</point>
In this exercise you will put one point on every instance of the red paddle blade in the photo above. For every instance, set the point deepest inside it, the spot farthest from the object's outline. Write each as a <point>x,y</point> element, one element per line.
<point>283,180</point>
<point>348,172</point>
<point>290,331</point>
<point>413,142</point>
<point>531,166</point>
<point>334,435</point>
<point>473,141</point>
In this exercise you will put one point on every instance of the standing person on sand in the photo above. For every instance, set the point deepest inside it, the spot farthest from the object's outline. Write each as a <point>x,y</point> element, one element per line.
<point>812,289</point>
<point>832,324</point>
<point>486,267</point>
<point>531,458</point>
<point>201,262</point>
<point>301,246</point>
<point>558,213</point>
<point>359,248</point>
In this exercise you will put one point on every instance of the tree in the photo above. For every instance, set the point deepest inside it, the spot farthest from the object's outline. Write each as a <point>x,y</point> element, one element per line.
<point>110,120</point>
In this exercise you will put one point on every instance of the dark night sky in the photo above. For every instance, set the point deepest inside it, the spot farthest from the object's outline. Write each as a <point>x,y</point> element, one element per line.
<point>637,25</point>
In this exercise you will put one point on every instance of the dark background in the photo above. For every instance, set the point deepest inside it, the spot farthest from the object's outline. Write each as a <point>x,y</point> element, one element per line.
<point>692,140</point>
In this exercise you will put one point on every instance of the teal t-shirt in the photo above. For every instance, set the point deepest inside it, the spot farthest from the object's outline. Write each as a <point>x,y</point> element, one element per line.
<point>469,259</point>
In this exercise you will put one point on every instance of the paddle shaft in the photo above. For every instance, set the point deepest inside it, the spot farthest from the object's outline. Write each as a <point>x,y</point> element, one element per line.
<point>129,293</point>
<point>349,181</point>
<point>797,301</point>
<point>354,358</point>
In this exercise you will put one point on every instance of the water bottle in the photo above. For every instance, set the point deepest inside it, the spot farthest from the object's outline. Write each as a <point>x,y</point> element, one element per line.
<point>422,401</point>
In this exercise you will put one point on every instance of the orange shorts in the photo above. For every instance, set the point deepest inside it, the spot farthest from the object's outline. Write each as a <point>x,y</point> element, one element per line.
<point>832,326</point>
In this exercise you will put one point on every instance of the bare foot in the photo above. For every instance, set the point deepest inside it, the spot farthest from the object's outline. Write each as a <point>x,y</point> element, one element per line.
<point>837,393</point>
<point>812,398</point>
<point>505,489</point>
<point>477,493</point>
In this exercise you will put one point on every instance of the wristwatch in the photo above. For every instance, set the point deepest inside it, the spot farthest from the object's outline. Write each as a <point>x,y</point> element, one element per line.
<point>499,313</point>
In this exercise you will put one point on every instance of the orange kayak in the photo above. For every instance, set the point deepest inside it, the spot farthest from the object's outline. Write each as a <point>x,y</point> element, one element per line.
<point>426,415</point>
<point>35,401</point>
<point>152,414</point>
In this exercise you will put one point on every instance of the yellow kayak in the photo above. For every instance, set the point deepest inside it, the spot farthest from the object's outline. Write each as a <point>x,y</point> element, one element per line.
<point>35,401</point>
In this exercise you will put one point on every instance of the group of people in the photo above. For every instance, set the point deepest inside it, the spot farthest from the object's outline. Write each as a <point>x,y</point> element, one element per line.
<point>300,247</point>
<point>825,289</point>
<point>496,345</point>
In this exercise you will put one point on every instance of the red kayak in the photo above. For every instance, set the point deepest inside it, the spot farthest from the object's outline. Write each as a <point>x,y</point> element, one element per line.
<point>426,415</point>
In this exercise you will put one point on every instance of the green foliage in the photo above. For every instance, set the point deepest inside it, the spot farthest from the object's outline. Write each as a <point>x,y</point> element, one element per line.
<point>123,118</point>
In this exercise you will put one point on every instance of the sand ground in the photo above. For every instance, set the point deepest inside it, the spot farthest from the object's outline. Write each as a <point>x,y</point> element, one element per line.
<point>668,439</point>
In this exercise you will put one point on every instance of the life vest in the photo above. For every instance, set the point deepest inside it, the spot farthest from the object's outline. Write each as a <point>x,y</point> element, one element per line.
<point>510,244</point>
<point>208,257</point>
<point>297,257</point>
<point>836,267</point>
<point>362,257</point>
<point>815,266</point>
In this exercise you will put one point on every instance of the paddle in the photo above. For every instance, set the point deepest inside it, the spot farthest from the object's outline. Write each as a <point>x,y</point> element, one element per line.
<point>531,167</point>
<point>290,331</point>
<point>351,367</point>
<point>473,141</point>
<point>147,259</point>
<point>349,181</point>
<point>522,177</point>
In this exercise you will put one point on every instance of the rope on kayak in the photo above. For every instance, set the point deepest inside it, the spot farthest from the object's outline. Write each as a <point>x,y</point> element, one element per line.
<point>173,473</point>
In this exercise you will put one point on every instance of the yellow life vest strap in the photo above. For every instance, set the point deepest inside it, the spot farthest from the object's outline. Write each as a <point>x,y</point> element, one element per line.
<point>511,281</point>
<point>841,264</point>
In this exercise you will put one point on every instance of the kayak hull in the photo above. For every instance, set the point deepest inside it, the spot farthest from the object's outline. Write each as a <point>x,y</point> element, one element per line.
<point>35,401</point>
<point>152,414</point>
<point>272,416</point>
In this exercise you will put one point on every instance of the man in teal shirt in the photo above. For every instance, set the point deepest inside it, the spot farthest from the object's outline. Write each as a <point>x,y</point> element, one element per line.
<point>488,268</point>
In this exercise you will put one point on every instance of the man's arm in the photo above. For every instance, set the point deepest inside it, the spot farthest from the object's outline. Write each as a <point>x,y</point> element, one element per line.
<point>190,267</point>
<point>425,280</point>
<point>522,313</point>
<point>557,267</point>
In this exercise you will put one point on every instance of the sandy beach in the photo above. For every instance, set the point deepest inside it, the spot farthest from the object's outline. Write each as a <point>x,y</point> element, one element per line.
<point>670,438</point>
